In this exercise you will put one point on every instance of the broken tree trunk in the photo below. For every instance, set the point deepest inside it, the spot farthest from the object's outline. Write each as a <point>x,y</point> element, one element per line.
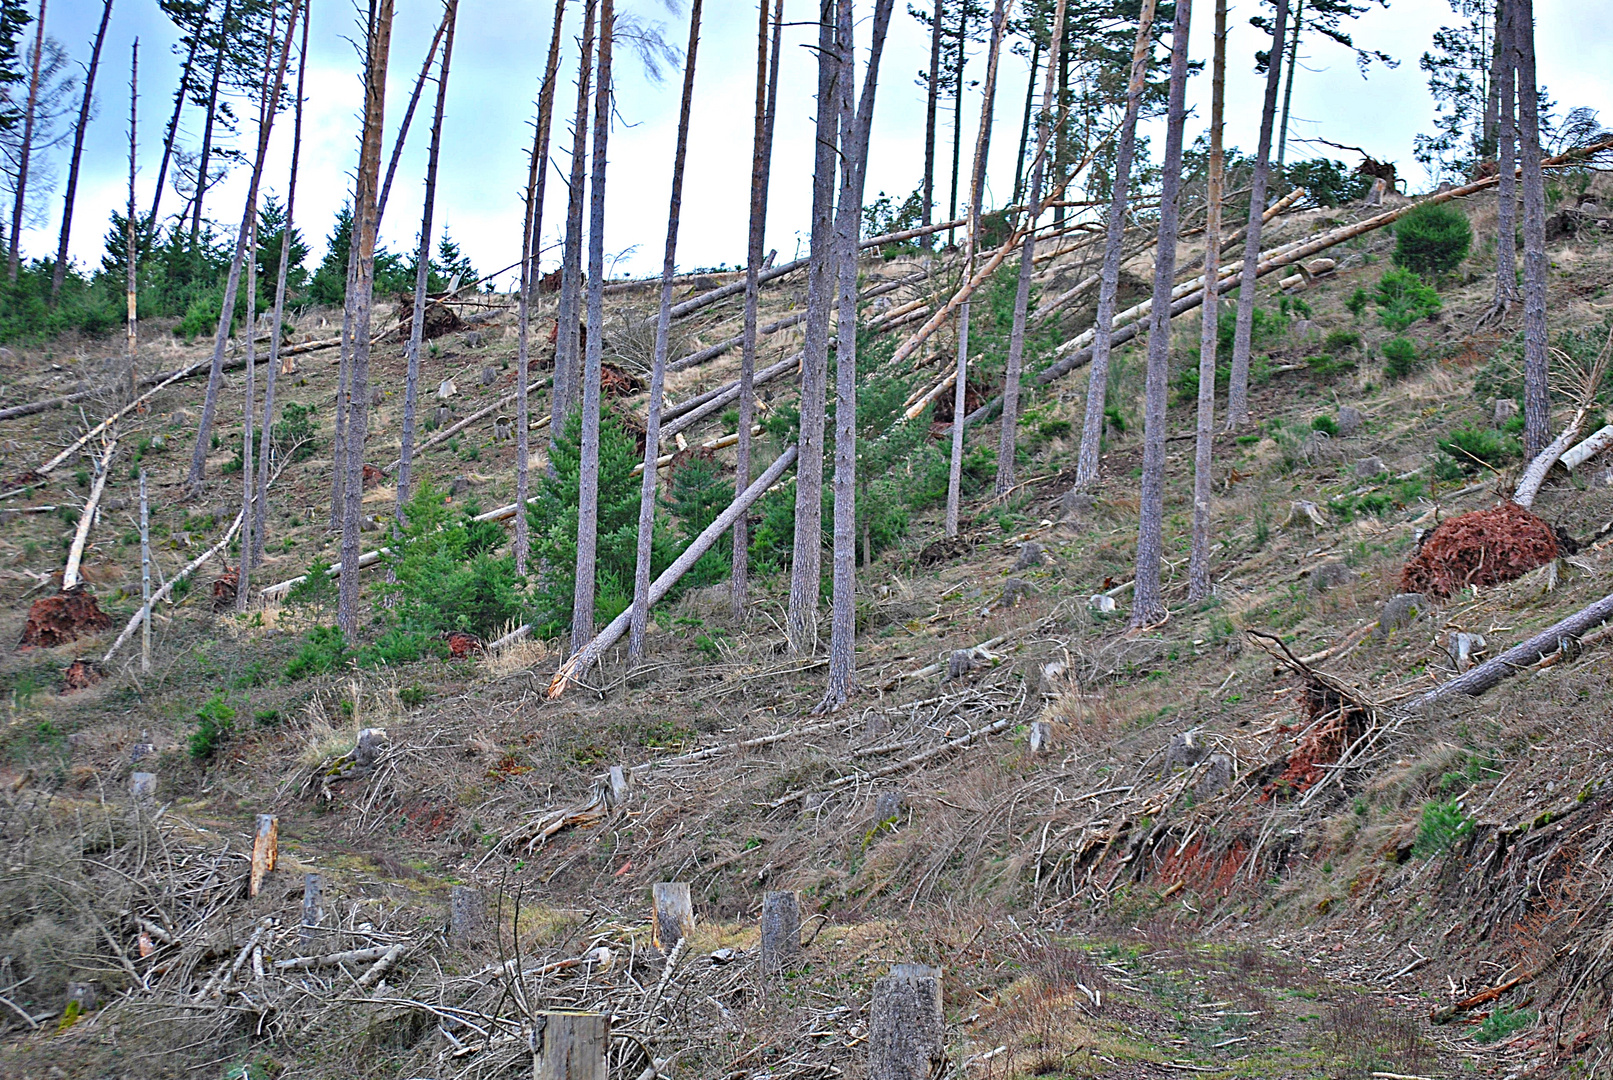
<point>464,913</point>
<point>906,1031</point>
<point>585,657</point>
<point>1535,474</point>
<point>781,930</point>
<point>1556,638</point>
<point>574,1045</point>
<point>312,888</point>
<point>674,914</point>
<point>265,851</point>
<point>86,518</point>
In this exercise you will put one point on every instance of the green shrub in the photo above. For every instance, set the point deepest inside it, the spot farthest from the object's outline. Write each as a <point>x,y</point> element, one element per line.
<point>1340,341</point>
<point>1444,826</point>
<point>1329,367</point>
<point>316,590</point>
<point>1325,424</point>
<point>295,431</point>
<point>696,493</point>
<point>322,650</point>
<point>1358,301</point>
<point>1503,1021</point>
<point>214,722</point>
<point>1470,446</point>
<point>1399,358</point>
<point>1404,298</point>
<point>443,576</point>
<point>1432,239</point>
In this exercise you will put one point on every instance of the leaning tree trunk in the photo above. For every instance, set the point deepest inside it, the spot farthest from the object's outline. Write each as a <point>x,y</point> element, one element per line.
<point>960,60</point>
<point>1288,83</point>
<point>171,133</point>
<point>1086,469</point>
<point>26,147</point>
<point>450,12</point>
<point>932,99</point>
<point>422,273</point>
<point>261,499</point>
<point>59,272</point>
<point>1198,560</point>
<point>767,66</point>
<point>1238,388</point>
<point>207,125</point>
<point>582,604</point>
<point>1506,154</point>
<point>855,126</point>
<point>1025,123</point>
<point>1007,443</point>
<point>221,337</point>
<point>562,397</point>
<point>640,617</point>
<point>360,301</point>
<point>1148,606</point>
<point>977,184</point>
<point>801,616</point>
<point>1536,394</point>
<point>1492,92</point>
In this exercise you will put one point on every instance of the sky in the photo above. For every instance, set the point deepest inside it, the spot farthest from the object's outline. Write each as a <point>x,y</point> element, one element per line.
<point>497,66</point>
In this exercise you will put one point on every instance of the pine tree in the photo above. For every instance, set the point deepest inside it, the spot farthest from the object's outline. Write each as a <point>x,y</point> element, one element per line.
<point>1148,605</point>
<point>564,394</point>
<point>27,148</point>
<point>1506,160</point>
<point>1536,393</point>
<point>1198,563</point>
<point>59,272</point>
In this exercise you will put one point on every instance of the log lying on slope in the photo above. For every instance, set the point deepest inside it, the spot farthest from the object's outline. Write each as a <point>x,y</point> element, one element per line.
<point>1556,638</point>
<point>162,594</point>
<point>86,518</point>
<point>585,657</point>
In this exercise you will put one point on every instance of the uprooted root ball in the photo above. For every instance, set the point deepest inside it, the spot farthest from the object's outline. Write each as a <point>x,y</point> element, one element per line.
<point>1485,547</point>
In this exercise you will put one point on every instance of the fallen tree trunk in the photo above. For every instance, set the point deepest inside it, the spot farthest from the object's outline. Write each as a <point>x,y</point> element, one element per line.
<point>1588,449</point>
<point>1556,638</point>
<point>692,415</point>
<point>1535,474</point>
<point>162,594</point>
<point>480,414</point>
<point>86,518</point>
<point>585,657</point>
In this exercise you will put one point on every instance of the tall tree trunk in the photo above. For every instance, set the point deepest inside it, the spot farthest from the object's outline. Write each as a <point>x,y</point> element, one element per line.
<point>977,186</point>
<point>221,338</point>
<point>261,499</point>
<point>1492,91</point>
<point>422,273</point>
<point>59,272</point>
<point>1007,442</point>
<point>130,278</point>
<point>1238,389</point>
<point>1506,155</point>
<point>1086,469</point>
<point>207,126</point>
<point>537,174</point>
<point>639,620</point>
<point>171,133</point>
<point>767,65</point>
<point>1198,561</point>
<point>562,398</point>
<point>1148,605</point>
<point>932,99</point>
<point>582,606</point>
<point>360,301</point>
<point>27,148</point>
<point>1288,83</point>
<point>855,126</point>
<point>959,61</point>
<point>1536,394</point>
<point>443,27</point>
<point>1061,139</point>
<point>806,557</point>
<point>243,570</point>
<point>1025,124</point>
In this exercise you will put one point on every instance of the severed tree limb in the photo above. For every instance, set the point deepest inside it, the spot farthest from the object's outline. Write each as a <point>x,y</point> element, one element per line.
<point>162,593</point>
<point>1535,474</point>
<point>383,965</point>
<point>86,518</point>
<point>585,657</point>
<point>1557,638</point>
<point>351,956</point>
<point>480,414</point>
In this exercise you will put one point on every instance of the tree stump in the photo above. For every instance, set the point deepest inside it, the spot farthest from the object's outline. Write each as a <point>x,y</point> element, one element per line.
<point>621,785</point>
<point>674,914</point>
<point>265,850</point>
<point>574,1045</point>
<point>888,806</point>
<point>464,913</point>
<point>1041,737</point>
<point>312,888</point>
<point>906,1034</point>
<point>781,930</point>
<point>143,786</point>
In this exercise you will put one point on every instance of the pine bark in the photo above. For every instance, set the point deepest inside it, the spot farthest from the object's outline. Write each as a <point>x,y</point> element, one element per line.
<point>801,616</point>
<point>360,301</point>
<point>639,620</point>
<point>1198,561</point>
<point>26,149</point>
<point>1148,605</point>
<point>565,350</point>
<point>932,100</point>
<point>855,126</point>
<point>1086,469</point>
<point>1536,395</point>
<point>221,337</point>
<point>59,272</point>
<point>1025,123</point>
<point>1506,157</point>
<point>1492,92</point>
<point>1238,388</point>
<point>207,125</point>
<point>261,499</point>
<point>1007,441</point>
<point>977,184</point>
<point>767,65</point>
<point>422,274</point>
<point>582,614</point>
<point>959,62</point>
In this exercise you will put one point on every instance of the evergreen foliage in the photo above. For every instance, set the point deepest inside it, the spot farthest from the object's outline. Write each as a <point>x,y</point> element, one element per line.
<point>1432,239</point>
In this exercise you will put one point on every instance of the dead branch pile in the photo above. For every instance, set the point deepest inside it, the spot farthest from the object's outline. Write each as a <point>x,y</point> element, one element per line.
<point>1485,547</point>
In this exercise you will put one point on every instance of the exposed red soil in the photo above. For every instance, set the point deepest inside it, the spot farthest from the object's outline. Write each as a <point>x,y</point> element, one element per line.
<point>57,620</point>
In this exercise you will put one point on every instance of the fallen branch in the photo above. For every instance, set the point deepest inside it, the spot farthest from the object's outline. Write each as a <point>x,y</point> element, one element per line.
<point>86,518</point>
<point>585,657</point>
<point>1451,1012</point>
<point>351,956</point>
<point>1557,638</point>
<point>163,593</point>
<point>480,414</point>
